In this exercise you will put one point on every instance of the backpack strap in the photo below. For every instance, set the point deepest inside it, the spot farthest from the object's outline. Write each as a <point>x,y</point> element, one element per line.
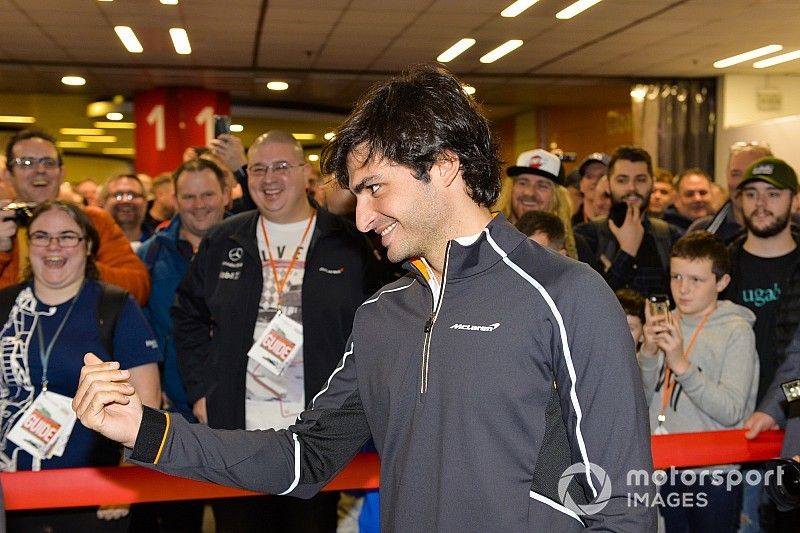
<point>109,306</point>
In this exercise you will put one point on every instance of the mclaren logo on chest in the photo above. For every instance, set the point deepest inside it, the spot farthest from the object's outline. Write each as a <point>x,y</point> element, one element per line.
<point>469,327</point>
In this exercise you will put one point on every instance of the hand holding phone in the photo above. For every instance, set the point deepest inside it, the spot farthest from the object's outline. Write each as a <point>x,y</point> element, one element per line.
<point>222,125</point>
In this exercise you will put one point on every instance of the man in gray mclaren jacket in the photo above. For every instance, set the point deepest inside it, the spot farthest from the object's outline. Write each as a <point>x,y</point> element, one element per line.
<point>497,379</point>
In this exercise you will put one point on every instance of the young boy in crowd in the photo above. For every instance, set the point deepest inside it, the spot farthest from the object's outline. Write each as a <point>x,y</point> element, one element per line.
<point>545,228</point>
<point>633,304</point>
<point>700,372</point>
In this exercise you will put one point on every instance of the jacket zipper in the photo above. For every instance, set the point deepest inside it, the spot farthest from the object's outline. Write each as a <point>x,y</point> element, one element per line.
<point>435,308</point>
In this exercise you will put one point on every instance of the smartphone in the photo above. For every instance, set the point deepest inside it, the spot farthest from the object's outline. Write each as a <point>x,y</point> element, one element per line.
<point>222,124</point>
<point>618,212</point>
<point>659,305</point>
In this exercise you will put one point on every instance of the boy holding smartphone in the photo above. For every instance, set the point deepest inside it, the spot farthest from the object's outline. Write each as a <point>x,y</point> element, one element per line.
<point>700,372</point>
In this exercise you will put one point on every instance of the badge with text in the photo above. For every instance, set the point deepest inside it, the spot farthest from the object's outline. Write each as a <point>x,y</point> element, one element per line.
<point>44,428</point>
<point>278,345</point>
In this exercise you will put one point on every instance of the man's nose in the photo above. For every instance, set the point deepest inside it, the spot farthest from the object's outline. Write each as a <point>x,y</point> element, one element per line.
<point>365,214</point>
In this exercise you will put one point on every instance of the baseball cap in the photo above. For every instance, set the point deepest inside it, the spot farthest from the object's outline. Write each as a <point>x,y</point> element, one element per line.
<point>596,157</point>
<point>774,171</point>
<point>539,162</point>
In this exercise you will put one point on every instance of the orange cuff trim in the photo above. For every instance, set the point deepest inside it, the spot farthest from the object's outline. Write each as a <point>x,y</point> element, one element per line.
<point>163,439</point>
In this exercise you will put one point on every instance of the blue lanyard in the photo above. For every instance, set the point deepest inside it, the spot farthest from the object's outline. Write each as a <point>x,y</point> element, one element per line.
<point>44,353</point>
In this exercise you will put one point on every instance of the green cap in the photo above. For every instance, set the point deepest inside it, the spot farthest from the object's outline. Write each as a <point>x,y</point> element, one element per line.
<point>774,171</point>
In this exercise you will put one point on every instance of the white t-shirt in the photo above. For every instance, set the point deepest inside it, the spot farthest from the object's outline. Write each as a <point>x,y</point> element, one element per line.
<point>275,401</point>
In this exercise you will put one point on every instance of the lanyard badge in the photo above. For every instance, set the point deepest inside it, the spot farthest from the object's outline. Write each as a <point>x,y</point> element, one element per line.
<point>278,345</point>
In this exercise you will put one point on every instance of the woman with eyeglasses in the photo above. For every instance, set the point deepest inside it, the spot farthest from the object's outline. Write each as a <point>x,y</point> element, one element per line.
<point>57,314</point>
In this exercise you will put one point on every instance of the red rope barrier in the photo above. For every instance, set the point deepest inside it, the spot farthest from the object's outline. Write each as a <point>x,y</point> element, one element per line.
<point>78,487</point>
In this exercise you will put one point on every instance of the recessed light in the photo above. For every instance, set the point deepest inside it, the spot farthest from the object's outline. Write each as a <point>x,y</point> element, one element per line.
<point>114,116</point>
<point>516,8</point>
<point>237,128</point>
<point>469,89</point>
<point>75,81</point>
<point>304,136</point>
<point>328,136</point>
<point>180,40</point>
<point>747,56</point>
<point>16,119</point>
<point>455,50</point>
<point>783,58</point>
<point>81,131</point>
<point>170,2</point>
<point>277,86</point>
<point>129,40</point>
<point>575,9</point>
<point>96,138</point>
<point>500,51</point>
<point>116,125</point>
<point>72,144</point>
<point>119,151</point>
<point>313,157</point>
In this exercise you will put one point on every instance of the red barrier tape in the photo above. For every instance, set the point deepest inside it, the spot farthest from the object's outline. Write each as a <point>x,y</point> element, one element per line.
<point>78,487</point>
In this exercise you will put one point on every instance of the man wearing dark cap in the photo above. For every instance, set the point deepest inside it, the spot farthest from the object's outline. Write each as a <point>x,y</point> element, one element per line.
<point>592,168</point>
<point>765,278</point>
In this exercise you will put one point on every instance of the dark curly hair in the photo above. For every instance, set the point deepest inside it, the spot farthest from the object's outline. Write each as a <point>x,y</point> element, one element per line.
<point>90,235</point>
<point>412,120</point>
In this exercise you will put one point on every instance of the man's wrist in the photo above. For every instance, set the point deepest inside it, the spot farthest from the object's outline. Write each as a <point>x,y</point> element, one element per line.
<point>152,436</point>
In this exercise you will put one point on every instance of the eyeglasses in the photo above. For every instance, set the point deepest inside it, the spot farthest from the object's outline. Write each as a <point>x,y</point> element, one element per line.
<point>65,240</point>
<point>279,168</point>
<point>27,163</point>
<point>126,196</point>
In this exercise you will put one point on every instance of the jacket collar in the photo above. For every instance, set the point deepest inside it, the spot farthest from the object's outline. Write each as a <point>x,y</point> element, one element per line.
<point>480,256</point>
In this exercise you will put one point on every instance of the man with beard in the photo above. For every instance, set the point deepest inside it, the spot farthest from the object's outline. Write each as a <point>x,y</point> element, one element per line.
<point>631,248</point>
<point>765,277</point>
<point>124,199</point>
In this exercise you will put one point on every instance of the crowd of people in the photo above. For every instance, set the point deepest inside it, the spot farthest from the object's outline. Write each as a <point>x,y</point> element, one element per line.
<point>222,296</point>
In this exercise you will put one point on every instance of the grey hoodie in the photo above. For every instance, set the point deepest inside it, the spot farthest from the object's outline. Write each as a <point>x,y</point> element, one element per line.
<point>718,391</point>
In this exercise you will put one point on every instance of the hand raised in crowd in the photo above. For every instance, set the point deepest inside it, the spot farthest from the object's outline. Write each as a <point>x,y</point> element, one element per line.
<point>630,234</point>
<point>757,423</point>
<point>663,332</point>
<point>106,402</point>
<point>8,227</point>
<point>230,150</point>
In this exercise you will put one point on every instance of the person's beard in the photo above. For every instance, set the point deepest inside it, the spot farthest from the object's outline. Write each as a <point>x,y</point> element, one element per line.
<point>643,201</point>
<point>772,229</point>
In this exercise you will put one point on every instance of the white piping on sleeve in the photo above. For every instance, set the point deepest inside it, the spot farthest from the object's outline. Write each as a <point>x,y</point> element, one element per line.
<point>555,505</point>
<point>564,344</point>
<point>373,300</point>
<point>296,466</point>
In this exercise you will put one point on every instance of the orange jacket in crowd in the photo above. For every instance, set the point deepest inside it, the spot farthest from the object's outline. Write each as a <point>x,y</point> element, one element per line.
<point>116,261</point>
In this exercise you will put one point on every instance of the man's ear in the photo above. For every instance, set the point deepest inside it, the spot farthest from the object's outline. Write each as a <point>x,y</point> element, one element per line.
<point>796,203</point>
<point>446,168</point>
<point>723,282</point>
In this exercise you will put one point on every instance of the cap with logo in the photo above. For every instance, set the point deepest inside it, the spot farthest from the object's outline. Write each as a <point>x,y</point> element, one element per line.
<point>539,162</point>
<point>596,157</point>
<point>772,170</point>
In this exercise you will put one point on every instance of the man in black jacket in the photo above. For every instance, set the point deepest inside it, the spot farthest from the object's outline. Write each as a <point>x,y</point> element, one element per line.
<point>288,266</point>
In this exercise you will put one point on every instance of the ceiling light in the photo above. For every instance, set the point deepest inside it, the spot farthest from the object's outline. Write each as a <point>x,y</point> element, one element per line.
<point>96,138</point>
<point>304,136</point>
<point>180,40</point>
<point>129,40</point>
<point>455,50</point>
<point>328,136</point>
<point>783,58</point>
<point>71,144</point>
<point>119,151</point>
<point>170,2</point>
<point>81,131</point>
<point>73,80</point>
<point>638,93</point>
<point>16,119</point>
<point>237,128</point>
<point>116,125</point>
<point>517,7</point>
<point>114,116</point>
<point>277,86</point>
<point>500,51</point>
<point>747,56</point>
<point>469,89</point>
<point>313,157</point>
<point>576,9</point>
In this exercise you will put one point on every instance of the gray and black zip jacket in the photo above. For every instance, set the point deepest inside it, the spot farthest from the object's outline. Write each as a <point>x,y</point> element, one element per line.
<point>477,403</point>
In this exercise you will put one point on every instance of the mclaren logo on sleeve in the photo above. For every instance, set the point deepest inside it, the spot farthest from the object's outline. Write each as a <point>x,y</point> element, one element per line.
<point>469,327</point>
